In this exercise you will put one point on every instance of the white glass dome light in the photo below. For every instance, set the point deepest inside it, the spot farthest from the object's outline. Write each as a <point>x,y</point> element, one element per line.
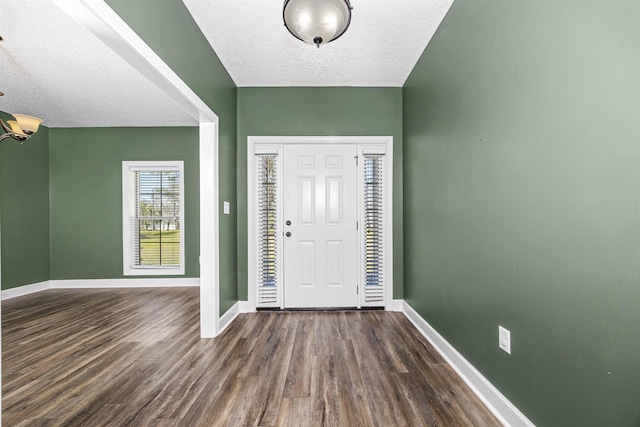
<point>317,21</point>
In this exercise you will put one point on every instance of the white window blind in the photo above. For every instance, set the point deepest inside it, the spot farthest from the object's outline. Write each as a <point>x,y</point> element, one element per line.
<point>154,223</point>
<point>267,229</point>
<point>157,218</point>
<point>373,228</point>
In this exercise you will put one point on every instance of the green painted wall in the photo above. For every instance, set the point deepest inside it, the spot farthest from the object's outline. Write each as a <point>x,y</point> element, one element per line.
<point>168,28</point>
<point>86,195</point>
<point>343,111</point>
<point>24,209</point>
<point>522,200</point>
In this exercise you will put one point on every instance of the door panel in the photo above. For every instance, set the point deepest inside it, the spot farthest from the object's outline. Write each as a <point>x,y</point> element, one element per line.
<point>321,244</point>
<point>306,263</point>
<point>307,200</point>
<point>335,201</point>
<point>334,263</point>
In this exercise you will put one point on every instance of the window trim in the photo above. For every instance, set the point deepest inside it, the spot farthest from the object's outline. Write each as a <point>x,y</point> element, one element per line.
<point>128,269</point>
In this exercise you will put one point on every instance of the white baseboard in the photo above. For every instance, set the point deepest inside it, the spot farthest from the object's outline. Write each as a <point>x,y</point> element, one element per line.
<point>227,318</point>
<point>395,305</point>
<point>504,410</point>
<point>124,283</point>
<point>245,307</point>
<point>25,290</point>
<point>97,283</point>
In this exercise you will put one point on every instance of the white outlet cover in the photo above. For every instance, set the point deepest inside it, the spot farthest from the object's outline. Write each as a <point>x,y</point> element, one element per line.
<point>504,339</point>
<point>226,208</point>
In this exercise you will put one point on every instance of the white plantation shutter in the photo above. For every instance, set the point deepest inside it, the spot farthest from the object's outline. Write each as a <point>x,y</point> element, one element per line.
<point>268,283</point>
<point>373,244</point>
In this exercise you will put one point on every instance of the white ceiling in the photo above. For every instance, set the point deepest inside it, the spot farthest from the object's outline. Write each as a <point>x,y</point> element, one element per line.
<point>52,67</point>
<point>380,48</point>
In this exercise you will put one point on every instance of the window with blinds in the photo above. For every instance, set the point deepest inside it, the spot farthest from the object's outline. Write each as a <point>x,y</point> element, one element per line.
<point>267,229</point>
<point>373,228</point>
<point>154,227</point>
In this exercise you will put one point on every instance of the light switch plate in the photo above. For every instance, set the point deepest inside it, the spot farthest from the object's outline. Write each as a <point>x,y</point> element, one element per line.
<point>504,339</point>
<point>226,208</point>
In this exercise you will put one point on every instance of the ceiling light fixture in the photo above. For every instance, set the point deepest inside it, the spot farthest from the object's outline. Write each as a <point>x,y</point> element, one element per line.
<point>21,128</point>
<point>317,21</point>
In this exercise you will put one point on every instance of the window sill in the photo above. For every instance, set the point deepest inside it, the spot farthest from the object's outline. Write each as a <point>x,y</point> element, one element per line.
<point>151,271</point>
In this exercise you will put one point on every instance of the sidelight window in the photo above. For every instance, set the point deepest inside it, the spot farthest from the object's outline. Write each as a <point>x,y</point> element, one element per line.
<point>373,228</point>
<point>267,228</point>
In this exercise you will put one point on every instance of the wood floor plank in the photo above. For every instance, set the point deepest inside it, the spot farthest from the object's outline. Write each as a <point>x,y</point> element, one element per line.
<point>410,339</point>
<point>322,395</point>
<point>33,422</point>
<point>298,380</point>
<point>354,405</point>
<point>474,410</point>
<point>379,385</point>
<point>414,401</point>
<point>294,412</point>
<point>379,334</point>
<point>243,402</point>
<point>323,335</point>
<point>268,397</point>
<point>134,357</point>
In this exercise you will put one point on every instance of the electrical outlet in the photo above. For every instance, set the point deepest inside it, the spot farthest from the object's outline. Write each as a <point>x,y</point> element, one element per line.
<point>226,208</point>
<point>504,339</point>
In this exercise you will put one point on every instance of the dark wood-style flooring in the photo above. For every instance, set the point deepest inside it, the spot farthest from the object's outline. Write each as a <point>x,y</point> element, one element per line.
<point>134,357</point>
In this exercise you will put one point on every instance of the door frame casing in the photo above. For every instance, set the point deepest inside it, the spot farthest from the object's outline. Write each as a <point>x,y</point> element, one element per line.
<point>260,144</point>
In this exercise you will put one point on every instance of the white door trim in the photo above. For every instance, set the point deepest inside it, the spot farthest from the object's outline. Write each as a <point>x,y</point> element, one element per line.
<point>104,23</point>
<point>257,142</point>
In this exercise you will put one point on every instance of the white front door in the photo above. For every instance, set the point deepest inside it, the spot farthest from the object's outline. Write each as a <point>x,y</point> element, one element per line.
<point>319,222</point>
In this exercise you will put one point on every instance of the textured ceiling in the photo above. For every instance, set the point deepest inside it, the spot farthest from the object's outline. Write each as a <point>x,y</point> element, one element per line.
<point>380,48</point>
<point>53,68</point>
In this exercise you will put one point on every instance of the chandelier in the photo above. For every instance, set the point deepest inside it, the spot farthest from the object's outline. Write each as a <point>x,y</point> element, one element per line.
<point>21,128</point>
